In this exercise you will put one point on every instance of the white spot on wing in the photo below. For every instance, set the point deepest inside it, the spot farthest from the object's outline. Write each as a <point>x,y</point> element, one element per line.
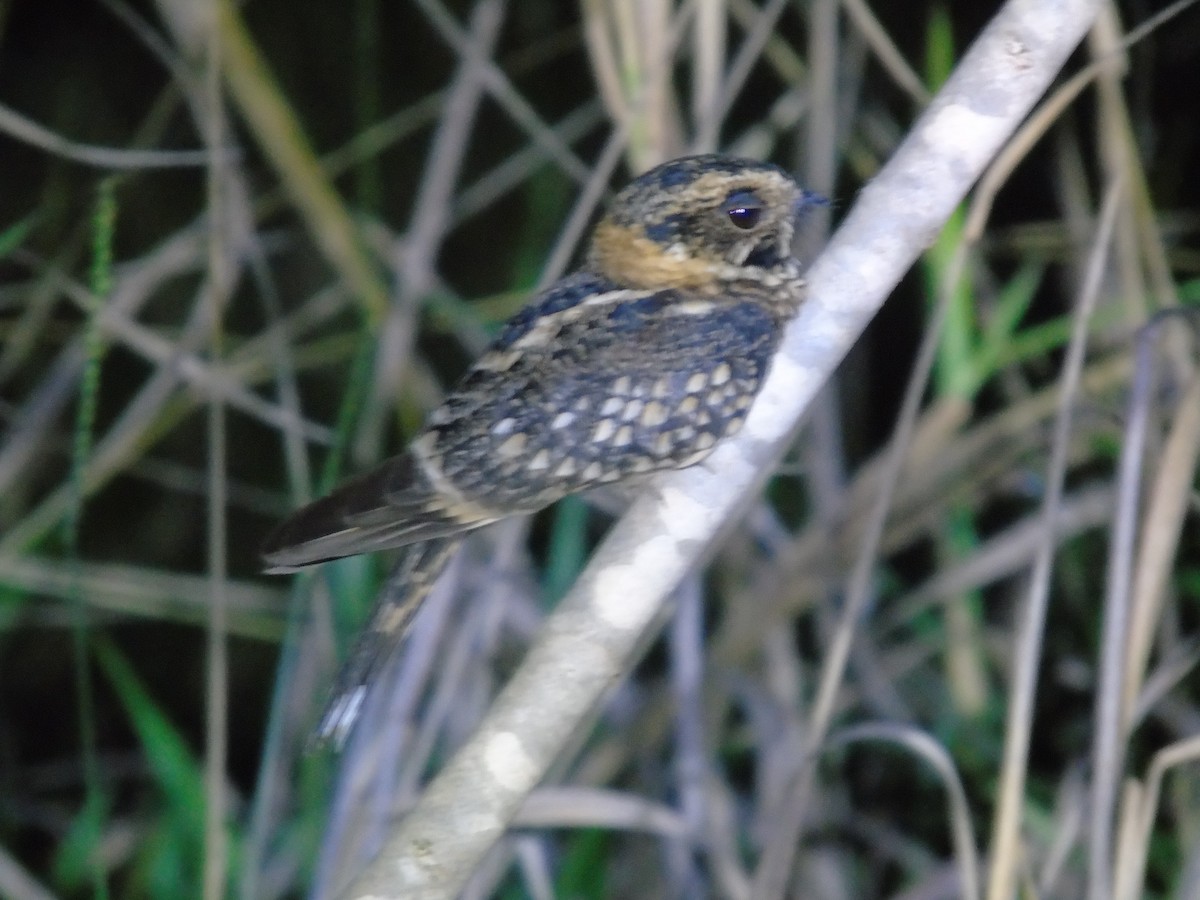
<point>514,446</point>
<point>611,298</point>
<point>654,414</point>
<point>692,307</point>
<point>497,361</point>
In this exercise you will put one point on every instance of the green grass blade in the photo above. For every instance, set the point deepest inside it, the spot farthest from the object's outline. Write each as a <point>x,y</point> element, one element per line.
<point>90,823</point>
<point>14,235</point>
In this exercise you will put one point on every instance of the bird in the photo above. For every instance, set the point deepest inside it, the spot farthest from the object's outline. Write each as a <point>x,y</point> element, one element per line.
<point>640,361</point>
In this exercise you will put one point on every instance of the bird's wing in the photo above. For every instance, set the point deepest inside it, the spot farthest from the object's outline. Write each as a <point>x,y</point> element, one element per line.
<point>591,384</point>
<point>621,384</point>
<point>389,506</point>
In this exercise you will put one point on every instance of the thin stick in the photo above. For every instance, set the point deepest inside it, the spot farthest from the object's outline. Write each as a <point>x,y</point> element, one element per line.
<point>1007,823</point>
<point>216,742</point>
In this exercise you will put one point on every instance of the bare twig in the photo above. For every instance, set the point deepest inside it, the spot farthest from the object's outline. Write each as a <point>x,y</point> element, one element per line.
<point>284,142</point>
<point>1005,858</point>
<point>222,273</point>
<point>27,131</point>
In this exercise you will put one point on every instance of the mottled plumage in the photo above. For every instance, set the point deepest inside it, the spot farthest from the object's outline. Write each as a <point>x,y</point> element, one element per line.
<point>641,361</point>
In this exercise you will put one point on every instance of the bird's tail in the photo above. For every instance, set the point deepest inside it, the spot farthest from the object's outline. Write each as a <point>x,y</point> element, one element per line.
<point>415,574</point>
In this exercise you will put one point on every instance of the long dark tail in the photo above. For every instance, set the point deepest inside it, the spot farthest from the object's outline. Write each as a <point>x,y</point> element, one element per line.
<point>411,580</point>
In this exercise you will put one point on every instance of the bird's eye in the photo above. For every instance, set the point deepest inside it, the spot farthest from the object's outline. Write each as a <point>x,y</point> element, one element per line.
<point>744,209</point>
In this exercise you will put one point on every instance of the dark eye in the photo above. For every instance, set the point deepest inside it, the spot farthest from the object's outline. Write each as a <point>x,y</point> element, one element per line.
<point>744,209</point>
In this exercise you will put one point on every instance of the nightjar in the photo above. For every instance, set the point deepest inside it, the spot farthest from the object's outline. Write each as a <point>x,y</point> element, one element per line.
<point>640,361</point>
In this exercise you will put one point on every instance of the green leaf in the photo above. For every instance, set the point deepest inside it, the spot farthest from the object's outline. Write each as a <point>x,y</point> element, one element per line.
<point>1001,330</point>
<point>939,49</point>
<point>174,769</point>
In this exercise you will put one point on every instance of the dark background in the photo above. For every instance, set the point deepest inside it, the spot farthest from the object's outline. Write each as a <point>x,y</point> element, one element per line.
<point>74,67</point>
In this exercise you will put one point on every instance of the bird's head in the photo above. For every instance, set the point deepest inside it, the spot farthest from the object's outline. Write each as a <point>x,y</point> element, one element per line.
<point>699,223</point>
